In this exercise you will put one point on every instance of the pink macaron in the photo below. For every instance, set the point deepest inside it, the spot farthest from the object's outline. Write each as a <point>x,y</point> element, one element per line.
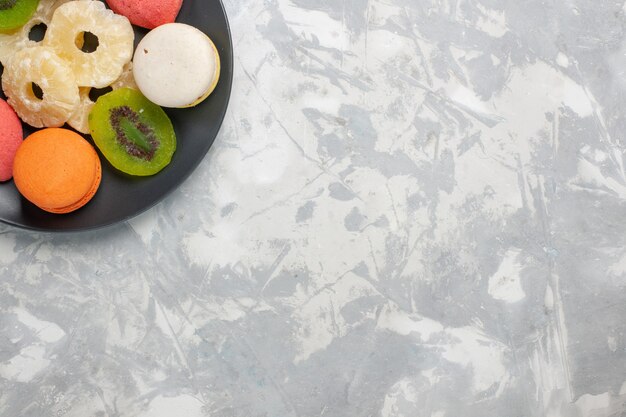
<point>147,13</point>
<point>11,136</point>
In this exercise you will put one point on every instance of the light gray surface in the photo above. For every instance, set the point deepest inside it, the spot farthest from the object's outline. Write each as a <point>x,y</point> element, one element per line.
<point>414,208</point>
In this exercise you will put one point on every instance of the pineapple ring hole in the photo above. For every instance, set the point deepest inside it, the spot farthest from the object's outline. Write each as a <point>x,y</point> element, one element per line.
<point>87,42</point>
<point>36,91</point>
<point>96,93</point>
<point>37,32</point>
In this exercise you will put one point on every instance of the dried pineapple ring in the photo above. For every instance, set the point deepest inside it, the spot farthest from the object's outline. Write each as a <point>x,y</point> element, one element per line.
<point>115,35</point>
<point>41,66</point>
<point>18,40</point>
<point>80,118</point>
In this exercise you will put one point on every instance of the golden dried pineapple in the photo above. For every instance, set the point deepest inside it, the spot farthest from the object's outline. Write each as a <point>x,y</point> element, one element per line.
<point>19,39</point>
<point>80,119</point>
<point>114,33</point>
<point>39,66</point>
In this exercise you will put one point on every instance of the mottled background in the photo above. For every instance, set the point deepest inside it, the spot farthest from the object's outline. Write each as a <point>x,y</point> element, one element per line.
<point>414,208</point>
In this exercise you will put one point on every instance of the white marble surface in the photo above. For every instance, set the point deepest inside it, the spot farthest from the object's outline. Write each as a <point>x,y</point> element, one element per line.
<point>414,208</point>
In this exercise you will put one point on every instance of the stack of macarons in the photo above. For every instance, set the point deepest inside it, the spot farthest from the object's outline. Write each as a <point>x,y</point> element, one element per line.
<point>175,65</point>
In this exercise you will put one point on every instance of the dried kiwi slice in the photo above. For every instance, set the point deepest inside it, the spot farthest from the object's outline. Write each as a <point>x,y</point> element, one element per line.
<point>15,13</point>
<point>134,134</point>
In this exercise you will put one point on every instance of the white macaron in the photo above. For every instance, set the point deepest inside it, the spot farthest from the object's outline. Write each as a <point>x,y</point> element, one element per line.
<point>176,65</point>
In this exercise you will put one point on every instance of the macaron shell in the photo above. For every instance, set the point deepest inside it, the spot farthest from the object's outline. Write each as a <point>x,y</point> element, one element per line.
<point>147,13</point>
<point>218,68</point>
<point>10,139</point>
<point>86,198</point>
<point>176,65</point>
<point>57,170</point>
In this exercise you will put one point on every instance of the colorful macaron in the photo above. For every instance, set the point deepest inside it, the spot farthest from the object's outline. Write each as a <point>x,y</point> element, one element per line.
<point>57,170</point>
<point>147,13</point>
<point>176,65</point>
<point>10,139</point>
<point>15,13</point>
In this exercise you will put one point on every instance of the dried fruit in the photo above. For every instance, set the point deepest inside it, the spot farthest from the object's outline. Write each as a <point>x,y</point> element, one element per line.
<point>111,46</point>
<point>20,39</point>
<point>15,13</point>
<point>134,134</point>
<point>40,87</point>
<point>80,118</point>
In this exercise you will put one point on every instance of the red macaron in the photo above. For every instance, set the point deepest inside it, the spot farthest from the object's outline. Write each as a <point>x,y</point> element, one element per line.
<point>11,136</point>
<point>147,13</point>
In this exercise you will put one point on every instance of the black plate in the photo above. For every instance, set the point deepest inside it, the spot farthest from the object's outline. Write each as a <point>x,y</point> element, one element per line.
<point>121,197</point>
